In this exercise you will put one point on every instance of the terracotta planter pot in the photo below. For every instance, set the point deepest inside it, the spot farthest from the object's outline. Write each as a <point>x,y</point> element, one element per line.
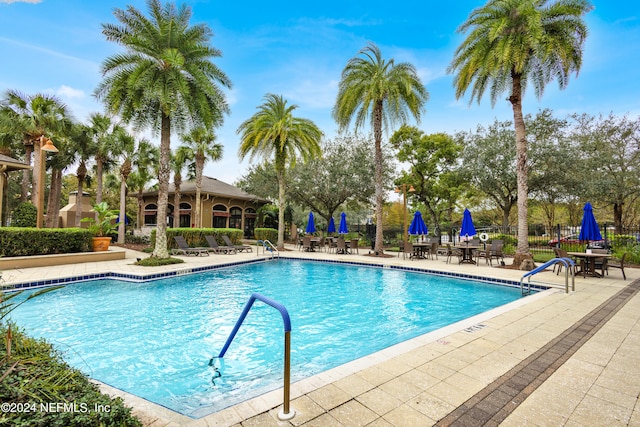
<point>101,244</point>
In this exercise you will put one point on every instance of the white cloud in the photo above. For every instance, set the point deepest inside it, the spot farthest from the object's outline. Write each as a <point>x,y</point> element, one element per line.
<point>67,92</point>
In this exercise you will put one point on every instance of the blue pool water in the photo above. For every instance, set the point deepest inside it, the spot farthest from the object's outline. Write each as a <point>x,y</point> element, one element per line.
<point>155,339</point>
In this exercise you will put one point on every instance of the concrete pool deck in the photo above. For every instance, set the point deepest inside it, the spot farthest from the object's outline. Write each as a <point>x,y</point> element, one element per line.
<point>549,359</point>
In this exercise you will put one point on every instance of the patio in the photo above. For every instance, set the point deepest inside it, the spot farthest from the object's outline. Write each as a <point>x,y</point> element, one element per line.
<point>568,359</point>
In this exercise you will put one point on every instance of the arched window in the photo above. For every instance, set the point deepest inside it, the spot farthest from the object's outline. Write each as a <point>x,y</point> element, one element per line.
<point>220,216</point>
<point>150,214</point>
<point>185,214</point>
<point>250,216</point>
<point>235,220</point>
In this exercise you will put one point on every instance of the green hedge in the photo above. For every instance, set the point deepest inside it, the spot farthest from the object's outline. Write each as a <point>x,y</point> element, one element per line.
<point>36,374</point>
<point>196,236</point>
<point>270,234</point>
<point>19,241</point>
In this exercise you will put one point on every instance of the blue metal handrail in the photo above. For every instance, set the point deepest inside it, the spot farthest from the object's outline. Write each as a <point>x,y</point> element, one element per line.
<point>267,246</point>
<point>567,262</point>
<point>287,413</point>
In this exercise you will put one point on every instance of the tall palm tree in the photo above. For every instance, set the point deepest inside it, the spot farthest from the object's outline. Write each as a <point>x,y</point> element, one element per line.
<point>102,130</point>
<point>33,116</point>
<point>165,80</point>
<point>382,93</point>
<point>200,145</point>
<point>178,162</point>
<point>124,144</point>
<point>83,149</point>
<point>274,132</point>
<point>512,43</point>
<point>146,166</point>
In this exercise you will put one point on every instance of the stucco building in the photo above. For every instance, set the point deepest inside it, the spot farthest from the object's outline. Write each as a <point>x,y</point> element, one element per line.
<point>222,206</point>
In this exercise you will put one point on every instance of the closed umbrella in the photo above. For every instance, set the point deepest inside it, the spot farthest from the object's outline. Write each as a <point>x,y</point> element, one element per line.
<point>418,226</point>
<point>311,226</point>
<point>342,229</point>
<point>468,229</point>
<point>332,226</point>
<point>589,229</point>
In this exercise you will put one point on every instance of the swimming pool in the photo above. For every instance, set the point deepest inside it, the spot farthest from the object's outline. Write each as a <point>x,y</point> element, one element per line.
<point>154,339</point>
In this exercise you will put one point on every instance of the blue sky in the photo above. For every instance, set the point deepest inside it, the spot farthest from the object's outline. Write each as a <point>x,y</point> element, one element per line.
<point>298,50</point>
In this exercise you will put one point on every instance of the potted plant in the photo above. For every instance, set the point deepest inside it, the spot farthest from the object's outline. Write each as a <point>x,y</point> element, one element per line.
<point>102,227</point>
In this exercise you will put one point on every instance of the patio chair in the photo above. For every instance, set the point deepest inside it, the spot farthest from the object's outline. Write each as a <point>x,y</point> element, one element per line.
<point>354,245</point>
<point>239,248</point>
<point>306,244</point>
<point>600,263</point>
<point>451,252</point>
<point>401,248</point>
<point>185,249</point>
<point>561,253</point>
<point>434,249</point>
<point>214,247</point>
<point>341,246</point>
<point>620,265</point>
<point>332,244</point>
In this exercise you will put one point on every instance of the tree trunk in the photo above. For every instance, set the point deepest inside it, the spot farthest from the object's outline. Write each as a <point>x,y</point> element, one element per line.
<point>177,182</point>
<point>53,204</point>
<point>521,168</point>
<point>281,203</point>
<point>377,134</point>
<point>122,218</point>
<point>139,215</point>
<point>81,174</point>
<point>199,169</point>
<point>24,190</point>
<point>164,172</point>
<point>617,217</point>
<point>35,174</point>
<point>99,172</point>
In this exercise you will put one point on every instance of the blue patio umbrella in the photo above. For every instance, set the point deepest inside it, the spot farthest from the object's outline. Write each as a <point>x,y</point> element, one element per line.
<point>342,229</point>
<point>589,229</point>
<point>417,225</point>
<point>468,229</point>
<point>311,226</point>
<point>332,226</point>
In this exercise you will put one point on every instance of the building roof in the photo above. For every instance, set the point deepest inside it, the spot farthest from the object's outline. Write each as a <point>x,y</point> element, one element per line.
<point>12,164</point>
<point>214,187</point>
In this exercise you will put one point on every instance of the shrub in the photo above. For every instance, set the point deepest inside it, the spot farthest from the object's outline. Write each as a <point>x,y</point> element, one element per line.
<point>270,234</point>
<point>24,215</point>
<point>196,236</point>
<point>16,241</point>
<point>156,262</point>
<point>36,374</point>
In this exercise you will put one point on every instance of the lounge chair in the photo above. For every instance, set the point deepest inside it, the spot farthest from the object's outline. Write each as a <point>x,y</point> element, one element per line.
<point>185,249</point>
<point>213,246</point>
<point>239,248</point>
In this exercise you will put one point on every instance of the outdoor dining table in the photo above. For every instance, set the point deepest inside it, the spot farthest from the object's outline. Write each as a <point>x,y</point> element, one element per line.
<point>315,243</point>
<point>467,253</point>
<point>588,262</point>
<point>420,249</point>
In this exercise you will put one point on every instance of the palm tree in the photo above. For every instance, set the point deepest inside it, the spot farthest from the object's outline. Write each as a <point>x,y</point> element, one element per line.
<point>274,132</point>
<point>382,93</point>
<point>512,43</point>
<point>200,145</point>
<point>102,129</point>
<point>83,149</point>
<point>178,162</point>
<point>33,116</point>
<point>146,165</point>
<point>124,144</point>
<point>165,80</point>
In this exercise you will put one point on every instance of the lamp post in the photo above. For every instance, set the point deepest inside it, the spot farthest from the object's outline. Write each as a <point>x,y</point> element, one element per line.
<point>45,145</point>
<point>403,189</point>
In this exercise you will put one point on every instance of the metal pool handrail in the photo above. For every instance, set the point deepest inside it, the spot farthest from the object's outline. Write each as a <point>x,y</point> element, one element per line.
<point>268,246</point>
<point>567,262</point>
<point>287,413</point>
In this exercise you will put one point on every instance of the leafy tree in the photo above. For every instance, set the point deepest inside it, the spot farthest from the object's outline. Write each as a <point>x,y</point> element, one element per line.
<point>381,92</point>
<point>274,132</point>
<point>165,80</point>
<point>611,155</point>
<point>432,170</point>
<point>343,174</point>
<point>200,145</point>
<point>512,43</point>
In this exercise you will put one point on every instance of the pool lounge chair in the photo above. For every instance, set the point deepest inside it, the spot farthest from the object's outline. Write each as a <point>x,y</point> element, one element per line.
<point>239,248</point>
<point>185,249</point>
<point>213,246</point>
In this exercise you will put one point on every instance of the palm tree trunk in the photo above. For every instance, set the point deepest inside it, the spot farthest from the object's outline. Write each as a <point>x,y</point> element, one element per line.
<point>81,174</point>
<point>177,182</point>
<point>281,203</point>
<point>164,172</point>
<point>99,172</point>
<point>53,204</point>
<point>122,218</point>
<point>199,169</point>
<point>139,212</point>
<point>24,190</point>
<point>35,177</point>
<point>522,172</point>
<point>377,135</point>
